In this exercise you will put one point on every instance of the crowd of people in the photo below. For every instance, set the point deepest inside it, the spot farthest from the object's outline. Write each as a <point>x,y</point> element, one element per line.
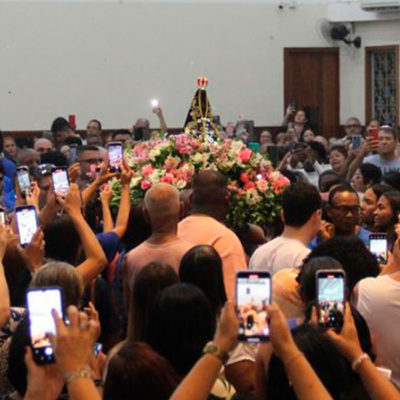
<point>148,288</point>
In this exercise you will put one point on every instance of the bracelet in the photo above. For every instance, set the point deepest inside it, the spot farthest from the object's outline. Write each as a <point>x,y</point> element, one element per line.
<point>355,365</point>
<point>83,372</point>
<point>294,358</point>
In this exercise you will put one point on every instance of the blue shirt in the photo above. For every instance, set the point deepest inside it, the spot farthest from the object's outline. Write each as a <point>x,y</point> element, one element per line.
<point>362,234</point>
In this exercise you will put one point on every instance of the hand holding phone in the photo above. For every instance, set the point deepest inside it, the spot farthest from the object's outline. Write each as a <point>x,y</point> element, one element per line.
<point>72,202</point>
<point>27,223</point>
<point>356,141</point>
<point>40,302</point>
<point>331,298</point>
<point>24,181</point>
<point>60,181</point>
<point>115,156</point>
<point>374,134</point>
<point>253,296</point>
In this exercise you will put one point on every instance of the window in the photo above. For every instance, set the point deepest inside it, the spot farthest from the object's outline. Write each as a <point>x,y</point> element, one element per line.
<point>382,84</point>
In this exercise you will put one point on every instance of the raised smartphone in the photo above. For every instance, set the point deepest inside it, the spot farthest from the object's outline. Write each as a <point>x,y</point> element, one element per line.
<point>60,181</point>
<point>40,302</point>
<point>24,181</point>
<point>115,156</point>
<point>378,246</point>
<point>331,298</point>
<point>253,295</point>
<point>27,223</point>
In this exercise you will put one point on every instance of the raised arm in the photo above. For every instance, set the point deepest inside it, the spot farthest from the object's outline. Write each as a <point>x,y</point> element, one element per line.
<point>368,146</point>
<point>159,112</point>
<point>200,380</point>
<point>105,198</point>
<point>305,381</point>
<point>104,176</point>
<point>377,386</point>
<point>95,257</point>
<point>4,293</point>
<point>125,204</point>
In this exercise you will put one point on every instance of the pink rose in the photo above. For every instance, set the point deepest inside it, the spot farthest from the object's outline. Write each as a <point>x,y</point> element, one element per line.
<point>262,185</point>
<point>244,177</point>
<point>245,155</point>
<point>144,185</point>
<point>249,185</point>
<point>167,179</point>
<point>147,170</point>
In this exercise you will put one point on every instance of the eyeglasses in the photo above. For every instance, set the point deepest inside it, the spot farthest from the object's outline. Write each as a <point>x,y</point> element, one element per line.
<point>346,209</point>
<point>353,126</point>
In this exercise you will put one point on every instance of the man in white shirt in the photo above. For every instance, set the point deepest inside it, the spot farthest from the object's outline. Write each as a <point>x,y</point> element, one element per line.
<point>301,212</point>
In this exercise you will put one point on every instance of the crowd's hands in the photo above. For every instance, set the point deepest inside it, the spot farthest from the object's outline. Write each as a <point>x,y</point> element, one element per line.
<point>126,174</point>
<point>74,172</point>
<point>105,175</point>
<point>44,382</point>
<point>326,230</point>
<point>281,338</point>
<point>33,254</point>
<point>157,110</point>
<point>347,341</point>
<point>226,335</point>
<point>72,203</point>
<point>290,110</point>
<point>73,344</point>
<point>32,198</point>
<point>106,194</point>
<point>93,315</point>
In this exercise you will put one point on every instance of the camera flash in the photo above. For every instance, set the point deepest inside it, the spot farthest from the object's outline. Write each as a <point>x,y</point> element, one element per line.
<point>155,103</point>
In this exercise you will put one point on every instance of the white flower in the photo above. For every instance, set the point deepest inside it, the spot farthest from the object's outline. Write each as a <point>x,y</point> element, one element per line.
<point>154,153</point>
<point>135,181</point>
<point>181,184</point>
<point>154,177</point>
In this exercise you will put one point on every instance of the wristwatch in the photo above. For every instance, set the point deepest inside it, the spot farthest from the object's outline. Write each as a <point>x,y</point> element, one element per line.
<point>213,349</point>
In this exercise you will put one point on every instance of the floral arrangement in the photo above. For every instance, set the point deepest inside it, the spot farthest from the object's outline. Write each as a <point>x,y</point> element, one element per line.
<point>255,187</point>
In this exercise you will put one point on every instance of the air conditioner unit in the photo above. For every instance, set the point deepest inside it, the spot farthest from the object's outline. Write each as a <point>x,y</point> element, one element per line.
<point>380,5</point>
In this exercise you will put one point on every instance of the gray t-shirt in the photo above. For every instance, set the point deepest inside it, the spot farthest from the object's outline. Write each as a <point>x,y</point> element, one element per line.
<point>385,165</point>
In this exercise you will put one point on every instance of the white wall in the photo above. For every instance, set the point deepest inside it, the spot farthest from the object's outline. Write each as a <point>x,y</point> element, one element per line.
<point>107,60</point>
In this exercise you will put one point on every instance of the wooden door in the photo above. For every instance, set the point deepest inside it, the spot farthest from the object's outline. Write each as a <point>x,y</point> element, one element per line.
<point>312,81</point>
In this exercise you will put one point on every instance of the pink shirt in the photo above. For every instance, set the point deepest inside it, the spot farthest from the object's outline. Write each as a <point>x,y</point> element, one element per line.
<point>169,253</point>
<point>202,229</point>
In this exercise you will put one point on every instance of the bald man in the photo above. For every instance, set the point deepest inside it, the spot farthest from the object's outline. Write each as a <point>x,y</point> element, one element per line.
<point>43,145</point>
<point>162,208</point>
<point>209,205</point>
<point>28,157</point>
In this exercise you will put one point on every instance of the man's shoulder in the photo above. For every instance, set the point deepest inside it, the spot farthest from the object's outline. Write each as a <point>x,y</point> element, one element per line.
<point>281,244</point>
<point>372,159</point>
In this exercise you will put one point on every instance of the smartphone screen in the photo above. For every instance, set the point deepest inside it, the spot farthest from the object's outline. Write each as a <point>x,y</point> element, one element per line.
<point>378,246</point>
<point>97,348</point>
<point>356,141</point>
<point>3,217</point>
<point>24,181</point>
<point>27,223</point>
<point>115,155</point>
<point>331,298</point>
<point>253,294</point>
<point>60,181</point>
<point>40,302</point>
<point>73,153</point>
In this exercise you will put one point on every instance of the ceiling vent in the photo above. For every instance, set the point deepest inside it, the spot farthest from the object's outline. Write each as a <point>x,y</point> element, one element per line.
<point>380,5</point>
